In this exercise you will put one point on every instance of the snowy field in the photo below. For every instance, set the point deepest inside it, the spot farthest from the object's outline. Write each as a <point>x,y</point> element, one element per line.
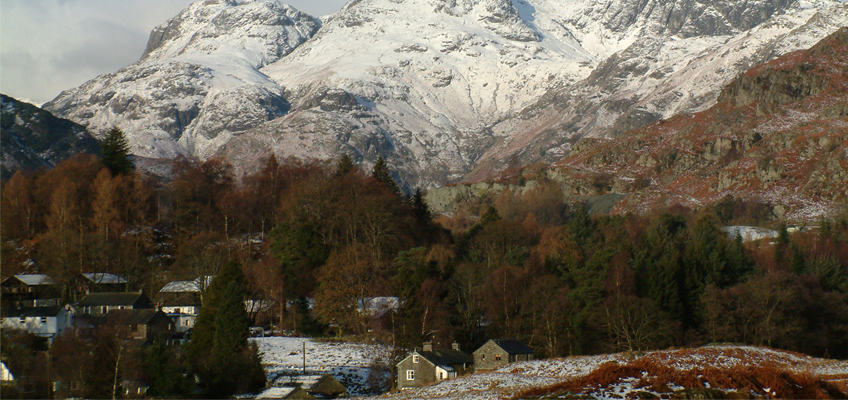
<point>354,364</point>
<point>503,383</point>
<point>351,363</point>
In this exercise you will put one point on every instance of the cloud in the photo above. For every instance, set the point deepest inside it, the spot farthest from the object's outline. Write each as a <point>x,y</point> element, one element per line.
<point>47,46</point>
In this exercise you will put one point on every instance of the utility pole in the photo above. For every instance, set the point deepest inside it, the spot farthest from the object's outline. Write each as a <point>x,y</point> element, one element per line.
<point>304,358</point>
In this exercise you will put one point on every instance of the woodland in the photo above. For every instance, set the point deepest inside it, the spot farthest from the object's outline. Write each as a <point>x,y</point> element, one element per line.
<point>532,266</point>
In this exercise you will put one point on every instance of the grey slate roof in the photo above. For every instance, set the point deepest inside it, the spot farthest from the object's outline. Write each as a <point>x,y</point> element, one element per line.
<point>447,357</point>
<point>31,312</point>
<point>513,346</point>
<point>133,317</point>
<point>110,299</point>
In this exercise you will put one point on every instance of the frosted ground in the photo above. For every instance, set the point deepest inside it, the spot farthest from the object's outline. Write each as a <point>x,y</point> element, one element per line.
<point>351,363</point>
<point>504,382</point>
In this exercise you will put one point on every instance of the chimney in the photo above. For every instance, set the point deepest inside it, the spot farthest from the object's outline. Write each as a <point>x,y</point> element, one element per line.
<point>428,346</point>
<point>455,346</point>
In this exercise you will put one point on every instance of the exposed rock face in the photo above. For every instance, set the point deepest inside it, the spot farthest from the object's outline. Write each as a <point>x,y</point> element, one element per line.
<point>443,90</point>
<point>657,76</point>
<point>33,138</point>
<point>777,135</point>
<point>198,83</point>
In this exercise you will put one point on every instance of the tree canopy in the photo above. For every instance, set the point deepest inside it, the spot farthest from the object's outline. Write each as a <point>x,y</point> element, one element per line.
<point>116,153</point>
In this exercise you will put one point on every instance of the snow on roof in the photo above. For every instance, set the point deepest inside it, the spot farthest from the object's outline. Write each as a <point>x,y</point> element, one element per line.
<point>192,286</point>
<point>35,279</point>
<point>275,393</point>
<point>304,381</point>
<point>104,277</point>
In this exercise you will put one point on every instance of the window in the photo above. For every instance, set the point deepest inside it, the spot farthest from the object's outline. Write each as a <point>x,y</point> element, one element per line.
<point>104,310</point>
<point>441,375</point>
<point>416,358</point>
<point>483,357</point>
<point>410,375</point>
<point>121,307</point>
<point>23,320</point>
<point>497,357</point>
<point>43,320</point>
<point>176,311</point>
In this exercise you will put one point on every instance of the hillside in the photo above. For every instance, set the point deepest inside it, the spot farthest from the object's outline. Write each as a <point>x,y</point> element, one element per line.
<point>708,372</point>
<point>777,135</point>
<point>33,138</point>
<point>442,91</point>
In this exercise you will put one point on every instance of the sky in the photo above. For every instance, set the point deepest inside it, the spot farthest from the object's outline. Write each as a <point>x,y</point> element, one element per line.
<point>47,46</point>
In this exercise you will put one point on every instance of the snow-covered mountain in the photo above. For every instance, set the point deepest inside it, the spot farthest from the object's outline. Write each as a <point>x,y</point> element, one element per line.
<point>197,83</point>
<point>443,89</point>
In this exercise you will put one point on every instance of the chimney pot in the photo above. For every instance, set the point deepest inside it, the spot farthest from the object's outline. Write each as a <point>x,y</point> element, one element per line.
<point>455,346</point>
<point>427,346</point>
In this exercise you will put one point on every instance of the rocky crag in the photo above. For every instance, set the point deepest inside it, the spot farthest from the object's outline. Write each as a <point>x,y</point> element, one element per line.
<point>778,134</point>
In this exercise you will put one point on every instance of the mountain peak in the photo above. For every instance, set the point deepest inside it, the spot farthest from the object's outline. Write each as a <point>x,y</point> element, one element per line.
<point>198,82</point>
<point>267,29</point>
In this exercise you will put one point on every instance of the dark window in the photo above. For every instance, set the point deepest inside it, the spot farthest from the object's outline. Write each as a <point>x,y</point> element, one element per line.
<point>497,357</point>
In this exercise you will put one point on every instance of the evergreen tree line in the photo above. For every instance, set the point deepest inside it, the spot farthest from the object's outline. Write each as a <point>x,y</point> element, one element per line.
<point>529,266</point>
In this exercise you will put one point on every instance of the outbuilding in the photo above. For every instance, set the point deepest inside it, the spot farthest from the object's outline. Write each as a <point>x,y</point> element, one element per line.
<point>499,352</point>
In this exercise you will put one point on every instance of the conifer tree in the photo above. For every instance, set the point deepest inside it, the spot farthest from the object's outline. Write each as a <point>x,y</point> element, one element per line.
<point>116,153</point>
<point>344,165</point>
<point>230,341</point>
<point>419,207</point>
<point>219,343</point>
<point>382,174</point>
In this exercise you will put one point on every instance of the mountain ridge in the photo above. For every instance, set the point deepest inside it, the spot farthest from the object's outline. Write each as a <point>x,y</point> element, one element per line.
<point>444,91</point>
<point>33,138</point>
<point>776,136</point>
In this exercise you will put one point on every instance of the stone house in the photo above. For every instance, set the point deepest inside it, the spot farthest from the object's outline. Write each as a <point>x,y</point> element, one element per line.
<point>428,366</point>
<point>30,290</point>
<point>499,352</point>
<point>46,322</point>
<point>100,304</point>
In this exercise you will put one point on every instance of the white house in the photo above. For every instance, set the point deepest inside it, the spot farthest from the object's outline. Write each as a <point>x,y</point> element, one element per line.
<point>181,301</point>
<point>47,322</point>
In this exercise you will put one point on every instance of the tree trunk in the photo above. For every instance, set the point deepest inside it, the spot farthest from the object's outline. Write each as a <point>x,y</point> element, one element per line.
<point>117,367</point>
